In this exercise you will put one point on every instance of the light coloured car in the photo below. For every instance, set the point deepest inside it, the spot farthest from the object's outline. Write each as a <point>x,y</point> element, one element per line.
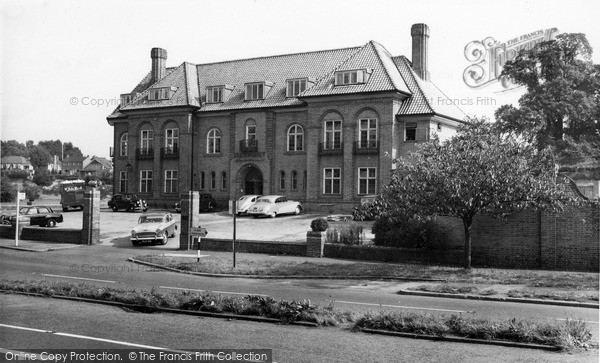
<point>273,205</point>
<point>154,227</point>
<point>245,202</point>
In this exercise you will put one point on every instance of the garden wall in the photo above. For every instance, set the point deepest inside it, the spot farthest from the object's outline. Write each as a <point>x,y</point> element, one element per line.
<point>563,241</point>
<point>267,247</point>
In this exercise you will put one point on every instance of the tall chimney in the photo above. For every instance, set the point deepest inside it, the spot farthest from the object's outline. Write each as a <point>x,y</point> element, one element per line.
<point>420,51</point>
<point>159,63</point>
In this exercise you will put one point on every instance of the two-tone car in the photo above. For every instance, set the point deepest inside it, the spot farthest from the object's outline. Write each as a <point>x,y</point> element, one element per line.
<point>34,216</point>
<point>274,205</point>
<point>154,227</point>
<point>245,202</point>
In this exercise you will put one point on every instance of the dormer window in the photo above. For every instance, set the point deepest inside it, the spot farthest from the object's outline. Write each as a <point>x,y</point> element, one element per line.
<point>257,90</point>
<point>128,97</point>
<point>356,76</point>
<point>163,93</point>
<point>218,94</point>
<point>296,86</point>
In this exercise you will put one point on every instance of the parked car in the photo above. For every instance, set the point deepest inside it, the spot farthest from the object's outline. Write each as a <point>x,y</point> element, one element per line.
<point>246,202</point>
<point>154,227</point>
<point>207,203</point>
<point>128,202</point>
<point>273,205</point>
<point>35,216</point>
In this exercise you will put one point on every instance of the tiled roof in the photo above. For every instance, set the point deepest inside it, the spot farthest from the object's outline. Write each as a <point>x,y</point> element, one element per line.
<point>275,69</point>
<point>12,159</point>
<point>372,56</point>
<point>426,97</point>
<point>388,73</point>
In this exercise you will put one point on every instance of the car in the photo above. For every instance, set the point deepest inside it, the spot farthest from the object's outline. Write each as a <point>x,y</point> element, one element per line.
<point>246,202</point>
<point>154,227</point>
<point>34,215</point>
<point>128,202</point>
<point>207,203</point>
<point>274,205</point>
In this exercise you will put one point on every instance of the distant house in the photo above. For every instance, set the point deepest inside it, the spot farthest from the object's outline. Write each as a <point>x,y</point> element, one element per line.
<point>96,167</point>
<point>55,166</point>
<point>17,163</point>
<point>73,164</point>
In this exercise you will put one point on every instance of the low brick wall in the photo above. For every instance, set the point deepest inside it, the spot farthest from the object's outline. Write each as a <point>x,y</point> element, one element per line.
<point>60,235</point>
<point>7,231</point>
<point>389,254</point>
<point>266,247</point>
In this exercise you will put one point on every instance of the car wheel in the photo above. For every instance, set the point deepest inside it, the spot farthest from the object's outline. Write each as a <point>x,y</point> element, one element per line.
<point>135,243</point>
<point>51,223</point>
<point>273,215</point>
<point>297,210</point>
<point>173,234</point>
<point>65,209</point>
<point>165,238</point>
<point>114,209</point>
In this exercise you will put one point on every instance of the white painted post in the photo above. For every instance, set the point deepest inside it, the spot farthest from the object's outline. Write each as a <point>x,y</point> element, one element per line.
<point>20,196</point>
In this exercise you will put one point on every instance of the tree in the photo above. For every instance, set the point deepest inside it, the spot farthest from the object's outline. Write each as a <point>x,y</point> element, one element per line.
<point>39,157</point>
<point>476,171</point>
<point>9,190</point>
<point>70,150</point>
<point>14,148</point>
<point>563,92</point>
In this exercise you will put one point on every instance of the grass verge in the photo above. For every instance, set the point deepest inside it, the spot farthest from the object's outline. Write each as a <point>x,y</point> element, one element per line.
<point>578,296</point>
<point>576,281</point>
<point>566,335</point>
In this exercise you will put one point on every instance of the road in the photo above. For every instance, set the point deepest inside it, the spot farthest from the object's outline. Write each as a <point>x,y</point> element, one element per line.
<point>26,322</point>
<point>107,266</point>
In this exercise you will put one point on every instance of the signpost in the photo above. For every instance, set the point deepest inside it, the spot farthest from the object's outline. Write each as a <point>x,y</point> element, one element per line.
<point>20,196</point>
<point>198,232</point>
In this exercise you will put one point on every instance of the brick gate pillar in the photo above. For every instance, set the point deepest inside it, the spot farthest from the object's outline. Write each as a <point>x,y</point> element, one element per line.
<point>190,217</point>
<point>90,232</point>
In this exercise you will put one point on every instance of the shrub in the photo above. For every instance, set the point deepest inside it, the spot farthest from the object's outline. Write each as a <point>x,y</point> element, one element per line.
<point>32,191</point>
<point>43,178</point>
<point>347,234</point>
<point>410,233</point>
<point>19,174</point>
<point>319,225</point>
<point>9,190</point>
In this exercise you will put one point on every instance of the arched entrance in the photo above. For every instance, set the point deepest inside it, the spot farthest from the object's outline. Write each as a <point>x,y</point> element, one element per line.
<point>253,182</point>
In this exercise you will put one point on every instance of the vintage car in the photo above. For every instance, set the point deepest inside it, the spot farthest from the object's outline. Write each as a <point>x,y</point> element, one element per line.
<point>207,204</point>
<point>246,202</point>
<point>153,227</point>
<point>34,216</point>
<point>128,202</point>
<point>273,205</point>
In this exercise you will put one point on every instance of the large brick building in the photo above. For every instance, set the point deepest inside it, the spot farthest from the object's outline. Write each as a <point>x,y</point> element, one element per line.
<point>320,127</point>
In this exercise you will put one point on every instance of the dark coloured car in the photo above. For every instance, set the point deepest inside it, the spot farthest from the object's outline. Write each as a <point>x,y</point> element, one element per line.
<point>34,216</point>
<point>128,202</point>
<point>207,203</point>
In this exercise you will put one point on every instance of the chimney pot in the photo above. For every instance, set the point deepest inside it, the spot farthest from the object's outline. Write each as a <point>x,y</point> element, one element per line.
<point>159,63</point>
<point>420,51</point>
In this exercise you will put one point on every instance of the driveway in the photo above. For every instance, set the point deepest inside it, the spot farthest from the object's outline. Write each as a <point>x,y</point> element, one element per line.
<point>115,227</point>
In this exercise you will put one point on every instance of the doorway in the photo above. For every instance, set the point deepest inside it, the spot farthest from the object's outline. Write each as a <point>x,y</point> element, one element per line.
<point>253,183</point>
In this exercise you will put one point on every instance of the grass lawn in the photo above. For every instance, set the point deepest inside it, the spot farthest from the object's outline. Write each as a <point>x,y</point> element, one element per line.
<point>559,280</point>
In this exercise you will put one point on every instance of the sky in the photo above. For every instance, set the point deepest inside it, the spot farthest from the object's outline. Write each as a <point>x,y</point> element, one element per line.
<point>64,63</point>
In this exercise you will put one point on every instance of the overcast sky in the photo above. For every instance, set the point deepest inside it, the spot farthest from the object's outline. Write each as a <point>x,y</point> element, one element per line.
<point>65,63</point>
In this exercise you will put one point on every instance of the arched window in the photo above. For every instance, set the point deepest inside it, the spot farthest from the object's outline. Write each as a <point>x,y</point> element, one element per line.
<point>282,179</point>
<point>172,140</point>
<point>294,180</point>
<point>213,141</point>
<point>224,180</point>
<point>213,180</point>
<point>123,144</point>
<point>295,138</point>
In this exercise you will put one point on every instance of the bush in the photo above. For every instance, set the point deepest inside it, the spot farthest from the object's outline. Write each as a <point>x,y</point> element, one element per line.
<point>18,174</point>
<point>410,233</point>
<point>319,225</point>
<point>347,234</point>
<point>9,190</point>
<point>32,191</point>
<point>43,178</point>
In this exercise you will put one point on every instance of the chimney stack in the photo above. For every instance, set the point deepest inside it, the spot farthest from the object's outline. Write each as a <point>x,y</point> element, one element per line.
<point>159,63</point>
<point>420,51</point>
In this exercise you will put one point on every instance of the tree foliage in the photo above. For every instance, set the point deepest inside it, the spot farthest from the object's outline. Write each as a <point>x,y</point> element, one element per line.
<point>41,154</point>
<point>563,93</point>
<point>476,171</point>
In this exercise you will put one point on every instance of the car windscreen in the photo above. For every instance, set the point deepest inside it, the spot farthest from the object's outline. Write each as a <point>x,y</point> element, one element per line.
<point>263,200</point>
<point>151,219</point>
